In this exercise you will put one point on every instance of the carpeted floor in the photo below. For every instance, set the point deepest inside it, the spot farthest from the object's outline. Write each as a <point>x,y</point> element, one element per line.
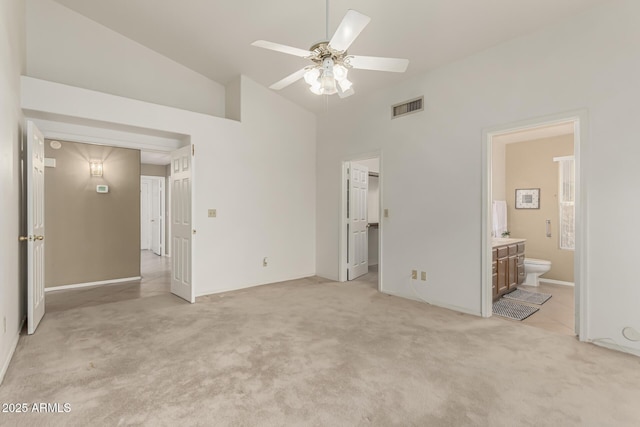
<point>312,352</point>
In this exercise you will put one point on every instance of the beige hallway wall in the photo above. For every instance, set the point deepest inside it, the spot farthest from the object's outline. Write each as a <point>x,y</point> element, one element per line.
<point>154,170</point>
<point>530,164</point>
<point>90,236</point>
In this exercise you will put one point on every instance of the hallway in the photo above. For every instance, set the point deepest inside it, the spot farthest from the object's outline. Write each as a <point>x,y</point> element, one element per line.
<point>156,280</point>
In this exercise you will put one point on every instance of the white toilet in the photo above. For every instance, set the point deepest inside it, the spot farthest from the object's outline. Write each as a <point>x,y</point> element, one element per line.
<point>533,269</point>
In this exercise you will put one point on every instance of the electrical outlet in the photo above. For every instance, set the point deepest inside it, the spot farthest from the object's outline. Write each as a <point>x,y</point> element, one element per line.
<point>414,274</point>
<point>423,275</point>
<point>265,262</point>
<point>212,213</point>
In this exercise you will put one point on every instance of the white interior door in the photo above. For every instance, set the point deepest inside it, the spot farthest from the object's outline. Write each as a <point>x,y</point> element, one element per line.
<point>181,231</point>
<point>35,226</point>
<point>145,226</point>
<point>357,221</point>
<point>156,216</point>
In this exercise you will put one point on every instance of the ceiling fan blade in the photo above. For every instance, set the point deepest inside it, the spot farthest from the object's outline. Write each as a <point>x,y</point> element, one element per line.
<point>376,63</point>
<point>291,78</point>
<point>282,48</point>
<point>351,26</point>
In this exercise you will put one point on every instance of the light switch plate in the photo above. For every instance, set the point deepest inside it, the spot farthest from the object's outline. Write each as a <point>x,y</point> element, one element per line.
<point>414,274</point>
<point>212,213</point>
<point>423,275</point>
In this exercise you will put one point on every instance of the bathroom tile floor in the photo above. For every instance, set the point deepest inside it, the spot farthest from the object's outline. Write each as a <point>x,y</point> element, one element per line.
<point>555,315</point>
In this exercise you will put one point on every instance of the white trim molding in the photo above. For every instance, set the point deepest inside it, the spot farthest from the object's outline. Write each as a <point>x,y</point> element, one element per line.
<point>14,345</point>
<point>91,284</point>
<point>557,282</point>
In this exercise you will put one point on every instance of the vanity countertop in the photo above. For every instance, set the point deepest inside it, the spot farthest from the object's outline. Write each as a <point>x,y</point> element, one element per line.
<point>505,241</point>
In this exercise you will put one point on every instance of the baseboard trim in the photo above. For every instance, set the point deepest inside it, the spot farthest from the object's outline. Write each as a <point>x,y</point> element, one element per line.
<point>556,282</point>
<point>612,345</point>
<point>14,345</point>
<point>434,303</point>
<point>91,284</point>
<point>240,288</point>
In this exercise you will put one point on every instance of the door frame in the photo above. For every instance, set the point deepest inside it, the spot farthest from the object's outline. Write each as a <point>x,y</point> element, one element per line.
<point>163,191</point>
<point>581,289</point>
<point>344,242</point>
<point>88,133</point>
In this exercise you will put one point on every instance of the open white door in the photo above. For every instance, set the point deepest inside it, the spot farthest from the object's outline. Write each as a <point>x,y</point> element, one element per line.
<point>156,215</point>
<point>35,226</point>
<point>181,230</point>
<point>145,227</point>
<point>357,221</point>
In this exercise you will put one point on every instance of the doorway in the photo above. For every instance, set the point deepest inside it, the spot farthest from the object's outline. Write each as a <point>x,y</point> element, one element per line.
<point>152,214</point>
<point>555,231</point>
<point>361,231</point>
<point>95,196</point>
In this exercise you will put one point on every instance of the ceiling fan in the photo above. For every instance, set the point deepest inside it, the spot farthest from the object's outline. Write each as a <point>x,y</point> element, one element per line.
<point>331,62</point>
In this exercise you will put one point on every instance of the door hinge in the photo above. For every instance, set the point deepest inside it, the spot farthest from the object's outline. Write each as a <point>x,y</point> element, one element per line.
<point>194,231</point>
<point>193,149</point>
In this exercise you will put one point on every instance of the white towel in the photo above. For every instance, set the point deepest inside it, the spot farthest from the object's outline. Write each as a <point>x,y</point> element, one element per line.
<point>499,217</point>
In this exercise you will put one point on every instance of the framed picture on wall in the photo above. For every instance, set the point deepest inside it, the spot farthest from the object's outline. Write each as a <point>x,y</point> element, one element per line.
<point>527,198</point>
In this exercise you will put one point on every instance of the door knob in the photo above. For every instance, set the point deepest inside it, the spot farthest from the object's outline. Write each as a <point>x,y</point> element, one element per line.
<point>39,238</point>
<point>24,238</point>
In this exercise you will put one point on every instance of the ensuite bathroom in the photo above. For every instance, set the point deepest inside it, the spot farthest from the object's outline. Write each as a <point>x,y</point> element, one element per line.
<point>533,226</point>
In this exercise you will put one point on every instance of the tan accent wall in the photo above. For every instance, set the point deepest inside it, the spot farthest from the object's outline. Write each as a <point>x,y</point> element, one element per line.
<point>90,236</point>
<point>153,170</point>
<point>530,164</point>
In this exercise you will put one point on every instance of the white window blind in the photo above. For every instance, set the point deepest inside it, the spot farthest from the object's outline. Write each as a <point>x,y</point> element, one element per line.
<point>566,201</point>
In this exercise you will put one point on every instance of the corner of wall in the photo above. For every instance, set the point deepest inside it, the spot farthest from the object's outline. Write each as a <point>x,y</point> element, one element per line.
<point>233,103</point>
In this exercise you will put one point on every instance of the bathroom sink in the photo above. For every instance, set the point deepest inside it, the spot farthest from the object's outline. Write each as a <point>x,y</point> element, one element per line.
<point>499,241</point>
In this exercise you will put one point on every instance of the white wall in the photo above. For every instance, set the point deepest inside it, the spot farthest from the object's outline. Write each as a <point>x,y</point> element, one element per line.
<point>12,295</point>
<point>262,182</point>
<point>498,171</point>
<point>372,164</point>
<point>66,47</point>
<point>432,160</point>
<point>258,174</point>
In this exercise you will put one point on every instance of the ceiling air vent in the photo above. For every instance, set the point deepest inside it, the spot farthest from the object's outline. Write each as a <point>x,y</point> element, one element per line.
<point>407,107</point>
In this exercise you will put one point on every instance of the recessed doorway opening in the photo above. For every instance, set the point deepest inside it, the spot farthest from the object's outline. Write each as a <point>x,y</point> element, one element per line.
<point>361,225</point>
<point>532,215</point>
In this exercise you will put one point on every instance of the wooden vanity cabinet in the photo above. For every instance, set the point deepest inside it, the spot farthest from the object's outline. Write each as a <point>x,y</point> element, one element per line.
<point>508,268</point>
<point>520,264</point>
<point>494,269</point>
<point>503,270</point>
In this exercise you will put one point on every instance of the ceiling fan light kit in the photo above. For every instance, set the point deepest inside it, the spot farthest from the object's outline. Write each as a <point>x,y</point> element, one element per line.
<point>328,74</point>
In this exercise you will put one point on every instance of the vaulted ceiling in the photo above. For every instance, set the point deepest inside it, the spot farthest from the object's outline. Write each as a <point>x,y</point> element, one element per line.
<point>213,37</point>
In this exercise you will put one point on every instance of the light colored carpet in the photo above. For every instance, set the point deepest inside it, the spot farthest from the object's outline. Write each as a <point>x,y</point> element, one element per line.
<point>312,352</point>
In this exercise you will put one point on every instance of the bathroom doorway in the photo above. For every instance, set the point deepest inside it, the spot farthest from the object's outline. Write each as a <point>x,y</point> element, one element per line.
<point>532,222</point>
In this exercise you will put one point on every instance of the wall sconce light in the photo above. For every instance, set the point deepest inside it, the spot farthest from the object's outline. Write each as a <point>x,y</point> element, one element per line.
<point>95,166</point>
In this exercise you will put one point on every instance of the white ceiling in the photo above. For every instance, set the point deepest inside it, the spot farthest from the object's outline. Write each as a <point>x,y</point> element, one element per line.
<point>213,37</point>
